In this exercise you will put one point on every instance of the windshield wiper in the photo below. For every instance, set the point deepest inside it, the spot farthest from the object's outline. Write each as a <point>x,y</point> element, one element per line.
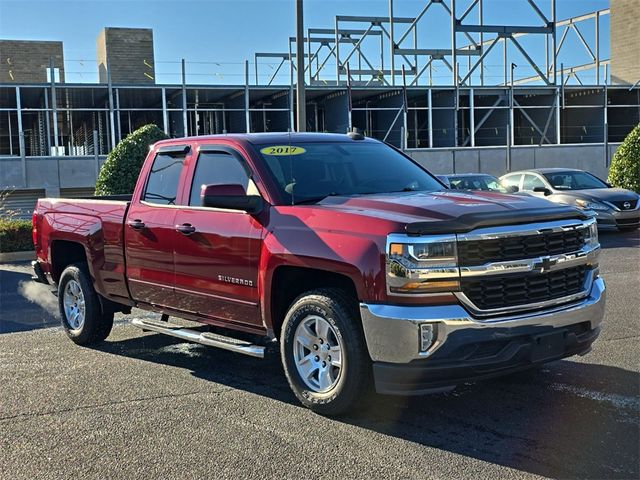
<point>305,201</point>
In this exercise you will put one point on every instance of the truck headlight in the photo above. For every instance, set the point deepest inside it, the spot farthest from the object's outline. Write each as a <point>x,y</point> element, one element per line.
<point>422,265</point>
<point>592,234</point>
<point>587,205</point>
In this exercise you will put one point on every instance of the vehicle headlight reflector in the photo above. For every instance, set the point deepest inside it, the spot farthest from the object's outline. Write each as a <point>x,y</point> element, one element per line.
<point>587,205</point>
<point>422,265</point>
<point>592,234</point>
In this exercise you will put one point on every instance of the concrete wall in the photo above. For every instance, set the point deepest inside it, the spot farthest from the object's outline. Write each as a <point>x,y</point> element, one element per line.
<point>129,54</point>
<point>25,61</point>
<point>49,173</point>
<point>625,41</point>
<point>493,160</point>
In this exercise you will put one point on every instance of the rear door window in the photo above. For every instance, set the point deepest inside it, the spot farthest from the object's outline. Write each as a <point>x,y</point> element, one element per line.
<point>164,177</point>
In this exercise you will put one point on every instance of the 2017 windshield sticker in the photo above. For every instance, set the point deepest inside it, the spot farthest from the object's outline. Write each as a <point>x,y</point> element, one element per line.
<point>281,150</point>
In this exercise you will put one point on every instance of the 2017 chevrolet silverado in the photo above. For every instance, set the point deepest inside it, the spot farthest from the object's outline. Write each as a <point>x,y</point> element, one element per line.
<point>337,250</point>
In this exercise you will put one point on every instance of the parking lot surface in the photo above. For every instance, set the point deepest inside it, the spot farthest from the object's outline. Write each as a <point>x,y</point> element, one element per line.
<point>143,405</point>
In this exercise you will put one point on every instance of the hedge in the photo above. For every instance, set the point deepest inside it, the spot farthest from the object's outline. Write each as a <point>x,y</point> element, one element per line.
<point>625,166</point>
<point>15,235</point>
<point>119,172</point>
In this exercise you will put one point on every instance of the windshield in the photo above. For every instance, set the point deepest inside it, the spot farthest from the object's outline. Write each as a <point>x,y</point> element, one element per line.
<point>308,172</point>
<point>574,181</point>
<point>481,182</point>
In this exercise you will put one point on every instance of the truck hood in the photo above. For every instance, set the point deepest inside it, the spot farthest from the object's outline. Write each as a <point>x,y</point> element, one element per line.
<point>408,207</point>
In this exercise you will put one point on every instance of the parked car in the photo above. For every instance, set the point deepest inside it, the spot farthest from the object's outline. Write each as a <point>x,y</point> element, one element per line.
<point>477,181</point>
<point>339,252</point>
<point>614,208</point>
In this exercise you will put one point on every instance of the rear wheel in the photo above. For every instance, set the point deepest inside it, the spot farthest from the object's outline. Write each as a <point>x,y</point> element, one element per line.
<point>81,313</point>
<point>323,352</point>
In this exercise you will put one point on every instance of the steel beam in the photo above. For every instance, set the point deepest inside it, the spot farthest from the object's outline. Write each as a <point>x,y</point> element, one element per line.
<point>392,44</point>
<point>436,52</point>
<point>483,119</point>
<point>533,124</point>
<point>503,29</point>
<point>21,145</point>
<point>364,19</point>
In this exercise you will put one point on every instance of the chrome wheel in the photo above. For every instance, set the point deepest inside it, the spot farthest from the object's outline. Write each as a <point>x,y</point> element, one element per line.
<point>317,353</point>
<point>73,301</point>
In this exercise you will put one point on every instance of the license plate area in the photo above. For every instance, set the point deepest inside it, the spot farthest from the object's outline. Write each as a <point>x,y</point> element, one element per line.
<point>548,346</point>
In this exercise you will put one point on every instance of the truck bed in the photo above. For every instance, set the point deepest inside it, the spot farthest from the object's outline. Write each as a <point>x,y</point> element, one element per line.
<point>95,223</point>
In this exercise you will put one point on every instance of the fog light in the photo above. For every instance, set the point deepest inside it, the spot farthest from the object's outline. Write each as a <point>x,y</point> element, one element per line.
<point>427,336</point>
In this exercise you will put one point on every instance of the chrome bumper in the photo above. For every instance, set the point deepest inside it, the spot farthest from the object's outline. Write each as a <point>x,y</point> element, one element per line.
<point>392,332</point>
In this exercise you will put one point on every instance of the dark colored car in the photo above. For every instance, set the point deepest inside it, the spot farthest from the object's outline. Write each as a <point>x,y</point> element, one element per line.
<point>614,208</point>
<point>337,252</point>
<point>477,181</point>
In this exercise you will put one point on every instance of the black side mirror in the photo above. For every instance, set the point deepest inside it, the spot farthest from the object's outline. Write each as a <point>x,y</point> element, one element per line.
<point>232,197</point>
<point>512,189</point>
<point>544,190</point>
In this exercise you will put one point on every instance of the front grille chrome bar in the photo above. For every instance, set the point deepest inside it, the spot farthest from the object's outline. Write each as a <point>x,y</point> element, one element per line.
<point>586,255</point>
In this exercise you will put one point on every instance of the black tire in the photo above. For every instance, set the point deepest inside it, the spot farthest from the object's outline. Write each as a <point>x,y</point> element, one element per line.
<point>354,379</point>
<point>97,325</point>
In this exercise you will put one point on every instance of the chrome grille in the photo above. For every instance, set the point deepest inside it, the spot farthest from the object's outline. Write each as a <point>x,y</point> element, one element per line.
<point>517,289</point>
<point>526,267</point>
<point>479,252</point>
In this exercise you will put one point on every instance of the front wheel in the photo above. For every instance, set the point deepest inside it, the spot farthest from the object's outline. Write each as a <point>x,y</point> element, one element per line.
<point>81,313</point>
<point>323,352</point>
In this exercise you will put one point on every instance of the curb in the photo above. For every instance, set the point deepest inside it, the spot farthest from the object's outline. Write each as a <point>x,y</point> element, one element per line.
<point>17,256</point>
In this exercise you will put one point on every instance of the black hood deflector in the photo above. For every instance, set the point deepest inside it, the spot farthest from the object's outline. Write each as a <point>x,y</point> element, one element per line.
<point>470,221</point>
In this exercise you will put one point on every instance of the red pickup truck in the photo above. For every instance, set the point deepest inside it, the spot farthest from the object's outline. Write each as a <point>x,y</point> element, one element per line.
<point>338,251</point>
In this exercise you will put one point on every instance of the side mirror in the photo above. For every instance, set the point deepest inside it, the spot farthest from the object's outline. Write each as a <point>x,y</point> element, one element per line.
<point>232,197</point>
<point>512,189</point>
<point>544,190</point>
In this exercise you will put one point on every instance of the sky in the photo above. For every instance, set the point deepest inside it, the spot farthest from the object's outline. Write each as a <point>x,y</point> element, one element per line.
<point>215,37</point>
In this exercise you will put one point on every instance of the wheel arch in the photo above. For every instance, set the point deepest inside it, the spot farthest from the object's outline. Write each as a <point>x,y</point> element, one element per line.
<point>289,282</point>
<point>64,253</point>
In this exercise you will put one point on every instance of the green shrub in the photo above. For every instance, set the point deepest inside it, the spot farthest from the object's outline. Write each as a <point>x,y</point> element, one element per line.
<point>15,235</point>
<point>119,172</point>
<point>625,166</point>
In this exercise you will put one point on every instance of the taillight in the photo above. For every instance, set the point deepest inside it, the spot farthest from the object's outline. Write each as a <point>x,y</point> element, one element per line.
<point>34,231</point>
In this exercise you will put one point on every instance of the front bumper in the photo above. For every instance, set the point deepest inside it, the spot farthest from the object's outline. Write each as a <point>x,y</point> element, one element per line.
<point>466,348</point>
<point>614,219</point>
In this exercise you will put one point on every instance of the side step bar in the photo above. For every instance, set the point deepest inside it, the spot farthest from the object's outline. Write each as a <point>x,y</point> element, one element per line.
<point>204,338</point>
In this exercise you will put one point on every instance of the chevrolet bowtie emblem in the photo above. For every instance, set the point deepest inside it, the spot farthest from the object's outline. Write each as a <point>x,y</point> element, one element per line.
<point>544,264</point>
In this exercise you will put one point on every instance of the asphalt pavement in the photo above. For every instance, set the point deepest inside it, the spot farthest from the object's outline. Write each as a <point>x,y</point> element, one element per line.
<point>142,405</point>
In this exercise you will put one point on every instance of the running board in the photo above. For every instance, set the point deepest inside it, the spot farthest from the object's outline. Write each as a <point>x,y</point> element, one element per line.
<point>204,338</point>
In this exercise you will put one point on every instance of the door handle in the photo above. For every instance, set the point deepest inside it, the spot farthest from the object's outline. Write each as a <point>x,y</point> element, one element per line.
<point>186,229</point>
<point>136,224</point>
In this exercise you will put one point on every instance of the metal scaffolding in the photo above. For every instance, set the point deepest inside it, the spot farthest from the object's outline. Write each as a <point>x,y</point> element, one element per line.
<point>394,42</point>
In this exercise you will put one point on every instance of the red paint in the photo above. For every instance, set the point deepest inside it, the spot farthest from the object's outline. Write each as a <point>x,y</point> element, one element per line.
<point>221,273</point>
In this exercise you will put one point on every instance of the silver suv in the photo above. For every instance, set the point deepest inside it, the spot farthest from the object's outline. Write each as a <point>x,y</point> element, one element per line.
<point>613,207</point>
